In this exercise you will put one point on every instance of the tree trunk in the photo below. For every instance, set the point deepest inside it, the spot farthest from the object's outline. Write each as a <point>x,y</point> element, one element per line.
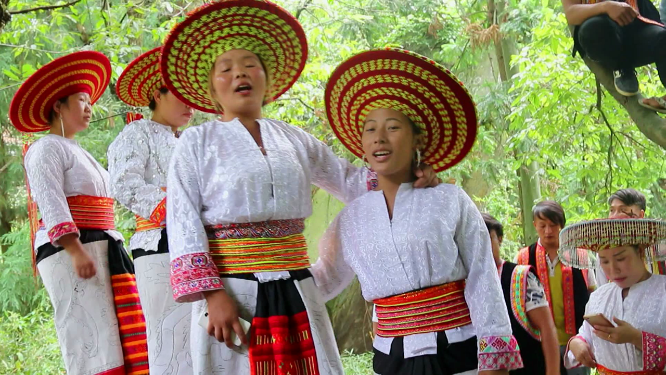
<point>529,185</point>
<point>5,17</point>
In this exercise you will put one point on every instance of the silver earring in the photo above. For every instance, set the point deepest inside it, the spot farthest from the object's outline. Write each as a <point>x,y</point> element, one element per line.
<point>418,157</point>
<point>365,162</point>
<point>62,127</point>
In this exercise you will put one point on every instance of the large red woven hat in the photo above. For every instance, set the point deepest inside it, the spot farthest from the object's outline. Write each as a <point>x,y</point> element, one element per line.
<point>595,235</point>
<point>258,26</point>
<point>140,79</point>
<point>79,72</point>
<point>426,92</point>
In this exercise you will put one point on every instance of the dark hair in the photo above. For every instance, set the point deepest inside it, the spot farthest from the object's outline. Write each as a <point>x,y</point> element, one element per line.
<point>153,104</point>
<point>415,128</point>
<point>550,210</point>
<point>52,113</point>
<point>493,224</point>
<point>630,197</point>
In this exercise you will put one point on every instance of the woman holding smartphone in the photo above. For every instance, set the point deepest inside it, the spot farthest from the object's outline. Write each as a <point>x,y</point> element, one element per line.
<point>625,323</point>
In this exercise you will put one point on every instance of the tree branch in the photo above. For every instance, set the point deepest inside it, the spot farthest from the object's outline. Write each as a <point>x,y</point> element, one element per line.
<point>46,7</point>
<point>647,121</point>
<point>301,9</point>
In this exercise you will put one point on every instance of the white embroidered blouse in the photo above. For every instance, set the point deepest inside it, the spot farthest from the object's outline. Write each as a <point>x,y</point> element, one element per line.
<point>138,164</point>
<point>218,175</point>
<point>645,309</point>
<point>58,168</point>
<point>436,236</point>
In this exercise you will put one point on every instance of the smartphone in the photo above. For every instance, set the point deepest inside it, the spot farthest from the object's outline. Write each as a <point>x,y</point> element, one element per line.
<point>598,320</point>
<point>203,322</point>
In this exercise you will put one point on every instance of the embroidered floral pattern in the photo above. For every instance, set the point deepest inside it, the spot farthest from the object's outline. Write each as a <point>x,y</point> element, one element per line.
<point>192,274</point>
<point>266,229</point>
<point>158,216</point>
<point>372,180</point>
<point>654,352</point>
<point>62,229</point>
<point>518,298</point>
<point>499,353</point>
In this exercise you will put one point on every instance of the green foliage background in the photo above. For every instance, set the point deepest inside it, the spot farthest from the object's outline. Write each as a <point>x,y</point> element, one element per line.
<point>544,112</point>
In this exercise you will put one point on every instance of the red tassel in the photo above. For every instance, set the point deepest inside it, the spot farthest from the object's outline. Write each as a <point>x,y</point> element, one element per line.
<point>33,212</point>
<point>132,117</point>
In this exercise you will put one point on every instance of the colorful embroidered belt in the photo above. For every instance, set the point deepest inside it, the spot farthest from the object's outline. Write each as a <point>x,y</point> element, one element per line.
<point>90,212</point>
<point>143,225</point>
<point>432,309</point>
<point>604,371</point>
<point>268,246</point>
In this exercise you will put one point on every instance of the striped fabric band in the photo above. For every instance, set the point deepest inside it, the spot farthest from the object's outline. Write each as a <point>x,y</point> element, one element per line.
<point>89,212</point>
<point>433,309</point>
<point>269,246</point>
<point>143,225</point>
<point>604,371</point>
<point>131,323</point>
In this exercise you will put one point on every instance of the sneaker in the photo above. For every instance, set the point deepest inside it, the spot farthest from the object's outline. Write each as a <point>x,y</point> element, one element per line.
<point>626,82</point>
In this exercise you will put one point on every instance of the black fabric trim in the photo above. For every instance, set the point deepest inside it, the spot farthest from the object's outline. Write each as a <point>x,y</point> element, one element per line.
<point>162,247</point>
<point>86,236</point>
<point>297,275</point>
<point>450,358</point>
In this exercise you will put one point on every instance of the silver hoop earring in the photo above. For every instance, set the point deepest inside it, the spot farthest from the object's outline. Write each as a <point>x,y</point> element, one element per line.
<point>62,127</point>
<point>418,157</point>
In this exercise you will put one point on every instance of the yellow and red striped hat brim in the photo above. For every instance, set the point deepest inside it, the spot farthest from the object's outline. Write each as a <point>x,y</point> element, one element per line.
<point>140,79</point>
<point>85,71</point>
<point>426,92</point>
<point>258,26</point>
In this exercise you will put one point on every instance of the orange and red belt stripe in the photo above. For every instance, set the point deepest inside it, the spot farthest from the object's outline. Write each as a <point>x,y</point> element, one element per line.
<point>433,309</point>
<point>90,212</point>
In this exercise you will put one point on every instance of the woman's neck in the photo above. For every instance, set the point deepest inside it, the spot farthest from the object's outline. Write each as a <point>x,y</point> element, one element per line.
<point>158,118</point>
<point>57,130</point>
<point>390,184</point>
<point>249,120</point>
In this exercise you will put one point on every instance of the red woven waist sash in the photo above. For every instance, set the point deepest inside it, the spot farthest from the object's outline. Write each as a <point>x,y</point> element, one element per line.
<point>432,309</point>
<point>268,246</point>
<point>143,225</point>
<point>90,212</point>
<point>604,371</point>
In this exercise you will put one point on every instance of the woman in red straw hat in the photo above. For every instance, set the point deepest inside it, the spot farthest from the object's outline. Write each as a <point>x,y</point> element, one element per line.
<point>239,189</point>
<point>624,331</point>
<point>80,255</point>
<point>422,256</point>
<point>138,163</point>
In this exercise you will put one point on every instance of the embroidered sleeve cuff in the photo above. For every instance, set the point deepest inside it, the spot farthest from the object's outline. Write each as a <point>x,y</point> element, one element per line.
<point>193,274</point>
<point>158,216</point>
<point>654,352</point>
<point>499,353</point>
<point>372,180</point>
<point>60,230</point>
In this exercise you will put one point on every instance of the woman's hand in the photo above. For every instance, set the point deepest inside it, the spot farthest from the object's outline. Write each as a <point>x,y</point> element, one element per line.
<point>426,177</point>
<point>84,265</point>
<point>581,350</point>
<point>624,333</point>
<point>223,318</point>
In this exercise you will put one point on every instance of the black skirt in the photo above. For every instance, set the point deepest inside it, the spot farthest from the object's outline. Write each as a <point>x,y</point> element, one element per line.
<point>450,359</point>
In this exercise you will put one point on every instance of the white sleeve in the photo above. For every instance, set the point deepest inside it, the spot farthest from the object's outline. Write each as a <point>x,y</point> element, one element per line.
<point>585,332</point>
<point>336,175</point>
<point>535,296</point>
<point>128,156</point>
<point>331,273</point>
<point>483,291</point>
<point>192,268</point>
<point>45,165</point>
